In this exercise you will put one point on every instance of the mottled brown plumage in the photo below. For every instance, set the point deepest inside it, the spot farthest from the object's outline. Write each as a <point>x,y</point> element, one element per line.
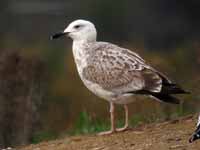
<point>119,70</point>
<point>114,73</point>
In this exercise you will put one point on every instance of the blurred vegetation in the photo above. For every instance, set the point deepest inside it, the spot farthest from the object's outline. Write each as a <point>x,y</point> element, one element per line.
<point>85,124</point>
<point>43,136</point>
<point>41,95</point>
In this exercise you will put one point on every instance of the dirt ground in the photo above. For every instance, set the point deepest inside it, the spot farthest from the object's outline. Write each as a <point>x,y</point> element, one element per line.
<point>172,135</point>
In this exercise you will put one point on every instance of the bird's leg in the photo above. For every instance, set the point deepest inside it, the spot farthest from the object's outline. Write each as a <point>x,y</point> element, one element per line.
<point>112,120</point>
<point>126,120</point>
<point>112,117</point>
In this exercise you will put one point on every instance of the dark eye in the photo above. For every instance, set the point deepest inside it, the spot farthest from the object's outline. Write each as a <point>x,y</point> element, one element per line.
<point>77,26</point>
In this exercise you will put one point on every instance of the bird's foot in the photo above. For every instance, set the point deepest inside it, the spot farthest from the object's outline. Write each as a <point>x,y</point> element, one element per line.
<point>107,132</point>
<point>125,128</point>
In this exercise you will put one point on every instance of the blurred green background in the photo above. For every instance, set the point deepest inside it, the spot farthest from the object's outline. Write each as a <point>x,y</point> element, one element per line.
<point>41,95</point>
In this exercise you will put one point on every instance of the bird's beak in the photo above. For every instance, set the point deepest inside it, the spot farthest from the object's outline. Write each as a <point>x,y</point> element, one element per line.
<point>58,35</point>
<point>193,138</point>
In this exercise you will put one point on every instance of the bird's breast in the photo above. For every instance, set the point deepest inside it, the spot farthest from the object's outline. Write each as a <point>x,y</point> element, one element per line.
<point>80,57</point>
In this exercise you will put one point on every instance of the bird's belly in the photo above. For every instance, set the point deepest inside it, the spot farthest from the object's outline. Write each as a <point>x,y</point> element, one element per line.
<point>101,92</point>
<point>127,98</point>
<point>109,95</point>
<point>98,90</point>
<point>93,87</point>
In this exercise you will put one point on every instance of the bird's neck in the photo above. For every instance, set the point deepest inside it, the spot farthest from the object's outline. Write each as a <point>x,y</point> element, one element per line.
<point>81,45</point>
<point>78,43</point>
<point>80,52</point>
<point>85,41</point>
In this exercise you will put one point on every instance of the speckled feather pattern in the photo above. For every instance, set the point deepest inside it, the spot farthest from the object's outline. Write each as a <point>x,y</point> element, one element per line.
<point>109,71</point>
<point>114,70</point>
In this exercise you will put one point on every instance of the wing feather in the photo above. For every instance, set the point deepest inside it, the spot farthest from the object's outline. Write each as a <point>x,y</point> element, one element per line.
<point>120,70</point>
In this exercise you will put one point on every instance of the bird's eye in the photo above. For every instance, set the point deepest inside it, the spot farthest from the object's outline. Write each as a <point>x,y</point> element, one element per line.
<point>77,26</point>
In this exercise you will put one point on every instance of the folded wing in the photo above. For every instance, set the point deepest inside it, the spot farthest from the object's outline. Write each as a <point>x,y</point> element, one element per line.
<point>121,70</point>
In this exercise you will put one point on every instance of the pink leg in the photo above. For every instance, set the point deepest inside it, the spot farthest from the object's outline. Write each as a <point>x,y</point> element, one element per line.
<point>126,120</point>
<point>112,119</point>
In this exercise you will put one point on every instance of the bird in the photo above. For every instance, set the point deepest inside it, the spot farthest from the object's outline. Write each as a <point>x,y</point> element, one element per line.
<point>114,73</point>
<point>196,135</point>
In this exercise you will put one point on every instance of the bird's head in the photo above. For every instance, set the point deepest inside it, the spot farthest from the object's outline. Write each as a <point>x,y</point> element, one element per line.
<point>79,30</point>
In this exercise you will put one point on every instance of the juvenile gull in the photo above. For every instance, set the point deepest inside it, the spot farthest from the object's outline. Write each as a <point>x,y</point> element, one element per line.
<point>114,73</point>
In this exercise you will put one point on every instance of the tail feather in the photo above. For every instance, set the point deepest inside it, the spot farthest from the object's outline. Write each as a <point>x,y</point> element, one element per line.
<point>171,88</point>
<point>166,91</point>
<point>165,94</point>
<point>166,98</point>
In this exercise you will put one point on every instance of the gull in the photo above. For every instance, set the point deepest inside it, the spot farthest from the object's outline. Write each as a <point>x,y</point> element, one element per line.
<point>114,73</point>
<point>196,134</point>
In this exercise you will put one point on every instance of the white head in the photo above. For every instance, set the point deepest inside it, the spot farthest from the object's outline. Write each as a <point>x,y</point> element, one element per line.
<point>79,30</point>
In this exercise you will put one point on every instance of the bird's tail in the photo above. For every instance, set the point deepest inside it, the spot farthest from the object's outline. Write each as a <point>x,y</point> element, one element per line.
<point>171,88</point>
<point>165,94</point>
<point>166,98</point>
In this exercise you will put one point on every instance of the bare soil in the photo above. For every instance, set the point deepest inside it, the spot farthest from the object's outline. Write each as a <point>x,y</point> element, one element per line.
<point>171,135</point>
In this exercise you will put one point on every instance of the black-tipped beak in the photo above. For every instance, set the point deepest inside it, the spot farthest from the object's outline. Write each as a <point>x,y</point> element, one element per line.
<point>194,138</point>
<point>196,135</point>
<point>57,35</point>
